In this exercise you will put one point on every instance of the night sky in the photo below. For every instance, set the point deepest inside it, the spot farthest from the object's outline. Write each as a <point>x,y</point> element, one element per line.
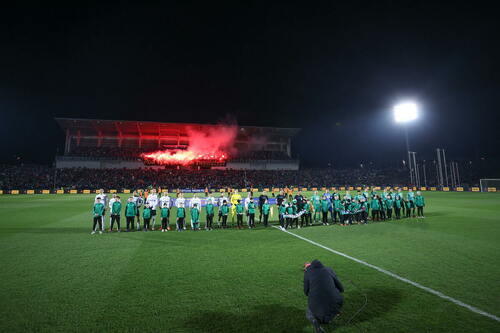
<point>334,70</point>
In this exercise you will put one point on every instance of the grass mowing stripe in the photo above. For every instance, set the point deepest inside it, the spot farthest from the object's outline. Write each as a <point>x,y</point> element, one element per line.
<point>415,284</point>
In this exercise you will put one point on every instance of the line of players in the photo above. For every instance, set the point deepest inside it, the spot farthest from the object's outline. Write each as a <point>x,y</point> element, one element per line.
<point>349,209</point>
<point>345,209</point>
<point>236,208</point>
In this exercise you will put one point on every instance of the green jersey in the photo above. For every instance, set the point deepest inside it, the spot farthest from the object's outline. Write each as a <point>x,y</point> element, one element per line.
<point>375,204</point>
<point>325,205</point>
<point>397,203</point>
<point>146,213</point>
<point>389,203</point>
<point>240,208</point>
<point>282,209</point>
<point>131,209</point>
<point>224,209</point>
<point>210,209</point>
<point>116,208</point>
<point>165,212</point>
<point>266,208</point>
<point>251,207</point>
<point>410,196</point>
<point>419,201</point>
<point>195,214</point>
<point>337,205</point>
<point>316,202</point>
<point>307,208</point>
<point>98,209</point>
<point>181,212</point>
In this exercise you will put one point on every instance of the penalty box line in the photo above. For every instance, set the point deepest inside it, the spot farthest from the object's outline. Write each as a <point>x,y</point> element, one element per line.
<point>415,284</point>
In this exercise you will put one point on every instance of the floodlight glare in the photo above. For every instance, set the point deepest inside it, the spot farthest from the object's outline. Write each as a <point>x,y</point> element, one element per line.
<point>405,112</point>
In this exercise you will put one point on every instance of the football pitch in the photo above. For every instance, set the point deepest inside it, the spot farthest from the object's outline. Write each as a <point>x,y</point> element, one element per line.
<point>56,277</point>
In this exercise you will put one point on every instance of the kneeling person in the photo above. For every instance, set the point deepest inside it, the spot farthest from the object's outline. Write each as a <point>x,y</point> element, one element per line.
<point>323,289</point>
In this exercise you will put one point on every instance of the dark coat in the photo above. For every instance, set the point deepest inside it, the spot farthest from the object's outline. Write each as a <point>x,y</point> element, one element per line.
<point>323,289</point>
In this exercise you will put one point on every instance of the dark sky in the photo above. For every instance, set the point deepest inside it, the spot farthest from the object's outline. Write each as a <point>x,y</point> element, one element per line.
<point>333,69</point>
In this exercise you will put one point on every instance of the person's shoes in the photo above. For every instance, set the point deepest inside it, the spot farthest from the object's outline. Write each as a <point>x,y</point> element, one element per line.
<point>100,232</point>
<point>92,233</point>
<point>317,327</point>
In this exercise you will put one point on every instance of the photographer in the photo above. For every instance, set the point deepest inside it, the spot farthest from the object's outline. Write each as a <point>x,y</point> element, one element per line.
<point>323,289</point>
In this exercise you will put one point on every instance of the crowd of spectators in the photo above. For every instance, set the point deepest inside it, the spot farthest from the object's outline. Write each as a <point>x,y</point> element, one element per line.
<point>39,177</point>
<point>126,153</point>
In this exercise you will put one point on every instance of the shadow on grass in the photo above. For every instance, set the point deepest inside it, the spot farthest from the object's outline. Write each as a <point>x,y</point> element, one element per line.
<point>380,301</point>
<point>266,318</point>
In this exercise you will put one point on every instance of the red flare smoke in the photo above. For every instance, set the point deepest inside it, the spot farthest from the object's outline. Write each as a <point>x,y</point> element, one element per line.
<point>212,145</point>
<point>183,157</point>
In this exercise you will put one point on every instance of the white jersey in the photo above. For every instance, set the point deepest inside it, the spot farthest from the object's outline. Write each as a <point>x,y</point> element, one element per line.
<point>194,201</point>
<point>111,202</point>
<point>247,201</point>
<point>165,201</point>
<point>221,201</point>
<point>152,201</point>
<point>103,197</point>
<point>211,200</point>
<point>138,201</point>
<point>180,202</point>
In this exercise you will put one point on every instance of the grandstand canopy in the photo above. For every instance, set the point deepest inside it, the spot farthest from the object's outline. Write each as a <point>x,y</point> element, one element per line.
<point>147,134</point>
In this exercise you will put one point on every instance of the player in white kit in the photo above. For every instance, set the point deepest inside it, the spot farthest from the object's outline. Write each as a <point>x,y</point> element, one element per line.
<point>152,201</point>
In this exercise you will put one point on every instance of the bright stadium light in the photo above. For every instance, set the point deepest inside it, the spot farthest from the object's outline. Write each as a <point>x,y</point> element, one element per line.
<point>405,112</point>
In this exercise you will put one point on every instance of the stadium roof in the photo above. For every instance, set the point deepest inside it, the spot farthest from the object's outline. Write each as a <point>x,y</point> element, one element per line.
<point>98,127</point>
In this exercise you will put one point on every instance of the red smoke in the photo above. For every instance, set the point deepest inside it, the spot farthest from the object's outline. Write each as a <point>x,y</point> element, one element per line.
<point>214,144</point>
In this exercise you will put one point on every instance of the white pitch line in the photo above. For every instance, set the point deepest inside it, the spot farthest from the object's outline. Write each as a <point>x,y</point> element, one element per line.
<point>418,285</point>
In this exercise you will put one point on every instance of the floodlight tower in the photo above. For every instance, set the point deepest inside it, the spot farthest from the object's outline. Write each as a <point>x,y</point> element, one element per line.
<point>405,113</point>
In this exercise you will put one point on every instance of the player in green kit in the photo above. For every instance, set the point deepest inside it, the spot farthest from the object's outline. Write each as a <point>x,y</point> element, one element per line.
<point>383,208</point>
<point>181,215</point>
<point>316,206</point>
<point>281,212</point>
<point>307,213</point>
<point>288,211</point>
<point>337,206</point>
<point>266,210</point>
<point>240,210</point>
<point>410,197</point>
<point>325,205</point>
<point>251,214</point>
<point>407,205</point>
<point>420,203</point>
<point>195,217</point>
<point>209,208</point>
<point>398,203</point>
<point>165,214</point>
<point>146,216</point>
<point>224,211</point>
<point>389,203</point>
<point>116,210</point>
<point>375,207</point>
<point>130,213</point>
<point>98,212</point>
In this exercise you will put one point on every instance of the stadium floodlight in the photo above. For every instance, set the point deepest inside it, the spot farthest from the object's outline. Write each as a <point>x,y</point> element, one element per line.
<point>405,112</point>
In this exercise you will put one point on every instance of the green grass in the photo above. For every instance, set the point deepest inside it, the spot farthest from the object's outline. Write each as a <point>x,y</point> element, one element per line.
<point>56,277</point>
